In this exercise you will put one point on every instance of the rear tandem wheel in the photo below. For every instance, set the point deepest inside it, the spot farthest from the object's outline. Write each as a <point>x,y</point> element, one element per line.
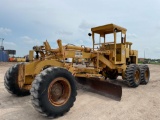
<point>133,75</point>
<point>145,74</point>
<point>112,75</point>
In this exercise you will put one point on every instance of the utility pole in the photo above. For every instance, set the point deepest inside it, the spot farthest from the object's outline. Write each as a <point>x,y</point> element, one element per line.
<point>2,47</point>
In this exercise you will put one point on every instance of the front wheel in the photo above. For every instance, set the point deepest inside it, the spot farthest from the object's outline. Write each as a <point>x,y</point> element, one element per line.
<point>53,92</point>
<point>11,81</point>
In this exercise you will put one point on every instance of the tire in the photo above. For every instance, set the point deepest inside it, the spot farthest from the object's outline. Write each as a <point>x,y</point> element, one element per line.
<point>11,82</point>
<point>47,98</point>
<point>112,75</point>
<point>133,75</point>
<point>145,74</point>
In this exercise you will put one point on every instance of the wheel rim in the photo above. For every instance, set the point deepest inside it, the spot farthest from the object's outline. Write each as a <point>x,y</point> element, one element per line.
<point>59,91</point>
<point>137,77</point>
<point>147,75</point>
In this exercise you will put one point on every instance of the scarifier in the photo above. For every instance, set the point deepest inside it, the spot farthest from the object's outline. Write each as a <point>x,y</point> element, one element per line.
<point>51,80</point>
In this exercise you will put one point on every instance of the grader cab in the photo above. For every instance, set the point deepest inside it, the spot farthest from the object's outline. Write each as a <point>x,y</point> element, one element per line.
<point>51,80</point>
<point>116,54</point>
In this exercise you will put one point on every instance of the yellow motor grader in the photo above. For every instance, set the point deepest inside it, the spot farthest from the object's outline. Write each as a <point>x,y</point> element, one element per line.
<point>51,80</point>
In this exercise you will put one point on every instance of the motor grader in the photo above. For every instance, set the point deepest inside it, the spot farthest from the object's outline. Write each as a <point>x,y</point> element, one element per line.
<point>51,80</point>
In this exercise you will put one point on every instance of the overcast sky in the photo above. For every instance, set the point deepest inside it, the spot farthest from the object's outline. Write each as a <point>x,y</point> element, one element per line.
<point>25,23</point>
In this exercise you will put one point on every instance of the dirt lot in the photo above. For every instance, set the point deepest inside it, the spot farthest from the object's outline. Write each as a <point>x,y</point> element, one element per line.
<point>142,103</point>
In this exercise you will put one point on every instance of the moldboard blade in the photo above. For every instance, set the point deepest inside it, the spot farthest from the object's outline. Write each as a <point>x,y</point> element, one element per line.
<point>103,87</point>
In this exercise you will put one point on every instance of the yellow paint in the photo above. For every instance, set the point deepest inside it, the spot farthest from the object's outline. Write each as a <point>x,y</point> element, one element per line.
<point>109,56</point>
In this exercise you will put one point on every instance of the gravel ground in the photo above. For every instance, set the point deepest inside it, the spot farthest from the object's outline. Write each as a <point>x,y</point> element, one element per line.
<point>141,103</point>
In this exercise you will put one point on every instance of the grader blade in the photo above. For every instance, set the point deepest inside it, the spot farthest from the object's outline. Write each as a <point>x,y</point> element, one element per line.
<point>102,87</point>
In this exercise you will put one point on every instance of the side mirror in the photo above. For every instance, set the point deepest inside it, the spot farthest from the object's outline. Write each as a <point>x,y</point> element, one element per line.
<point>115,30</point>
<point>89,34</point>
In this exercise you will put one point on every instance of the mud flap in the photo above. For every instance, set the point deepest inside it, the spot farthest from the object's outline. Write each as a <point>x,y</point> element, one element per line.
<point>103,87</point>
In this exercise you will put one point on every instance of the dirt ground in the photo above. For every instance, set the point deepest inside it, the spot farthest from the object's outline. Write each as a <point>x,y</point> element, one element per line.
<point>141,103</point>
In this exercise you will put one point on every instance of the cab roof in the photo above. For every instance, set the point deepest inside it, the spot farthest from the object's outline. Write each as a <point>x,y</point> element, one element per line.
<point>106,29</point>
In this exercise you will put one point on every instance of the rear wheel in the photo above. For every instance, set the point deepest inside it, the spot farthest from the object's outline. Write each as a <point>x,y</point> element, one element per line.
<point>145,74</point>
<point>133,75</point>
<point>11,82</point>
<point>53,92</point>
<point>112,74</point>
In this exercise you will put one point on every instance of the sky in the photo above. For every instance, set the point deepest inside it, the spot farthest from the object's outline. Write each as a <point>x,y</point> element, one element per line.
<point>26,23</point>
